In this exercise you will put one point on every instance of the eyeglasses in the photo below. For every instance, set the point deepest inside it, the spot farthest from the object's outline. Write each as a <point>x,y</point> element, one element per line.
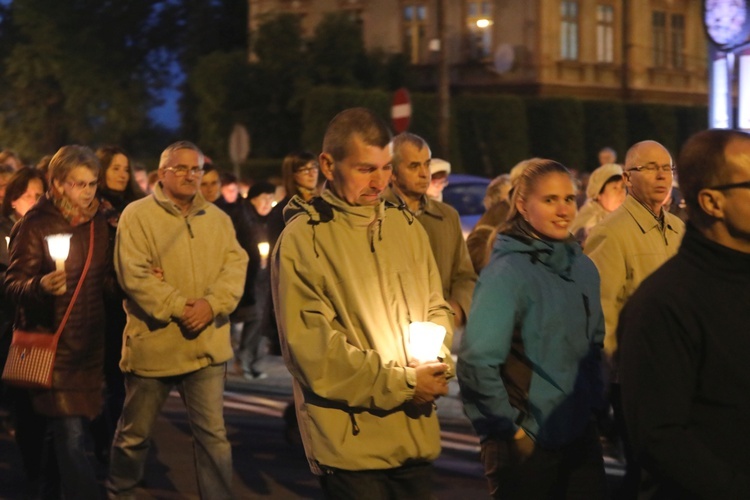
<point>182,170</point>
<point>724,187</point>
<point>652,167</point>
<point>82,184</point>
<point>307,170</point>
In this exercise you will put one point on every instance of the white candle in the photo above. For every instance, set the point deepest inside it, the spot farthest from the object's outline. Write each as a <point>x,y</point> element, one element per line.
<point>59,247</point>
<point>264,248</point>
<point>425,340</point>
<point>7,242</point>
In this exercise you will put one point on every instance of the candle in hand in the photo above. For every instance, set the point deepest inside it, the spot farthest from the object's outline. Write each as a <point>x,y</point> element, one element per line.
<point>263,248</point>
<point>59,247</point>
<point>425,340</point>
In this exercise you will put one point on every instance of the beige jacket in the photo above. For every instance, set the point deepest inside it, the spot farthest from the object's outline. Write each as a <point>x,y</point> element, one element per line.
<point>201,258</point>
<point>347,281</point>
<point>627,246</point>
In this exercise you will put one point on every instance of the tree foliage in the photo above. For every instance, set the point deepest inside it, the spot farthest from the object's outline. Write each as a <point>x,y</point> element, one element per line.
<point>78,71</point>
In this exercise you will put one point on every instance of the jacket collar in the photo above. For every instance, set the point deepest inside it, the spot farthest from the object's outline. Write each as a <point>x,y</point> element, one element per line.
<point>427,205</point>
<point>644,217</point>
<point>199,202</point>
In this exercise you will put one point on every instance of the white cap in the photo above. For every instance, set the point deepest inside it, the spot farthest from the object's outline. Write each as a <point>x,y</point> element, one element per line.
<point>438,165</point>
<point>599,177</point>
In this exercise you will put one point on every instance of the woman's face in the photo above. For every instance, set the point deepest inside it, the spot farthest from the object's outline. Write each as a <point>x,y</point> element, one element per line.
<point>117,175</point>
<point>550,207</point>
<point>307,176</point>
<point>28,199</point>
<point>613,195</point>
<point>79,186</point>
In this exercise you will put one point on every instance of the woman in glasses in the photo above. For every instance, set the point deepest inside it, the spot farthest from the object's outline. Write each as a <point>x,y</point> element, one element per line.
<point>529,363</point>
<point>42,295</point>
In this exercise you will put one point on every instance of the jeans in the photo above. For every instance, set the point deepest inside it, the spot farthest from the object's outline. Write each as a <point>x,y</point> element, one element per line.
<point>76,472</point>
<point>202,393</point>
<point>412,481</point>
<point>519,469</point>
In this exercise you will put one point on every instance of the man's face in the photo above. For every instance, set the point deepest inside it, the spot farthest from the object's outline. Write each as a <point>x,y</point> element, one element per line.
<point>230,192</point>
<point>606,156</point>
<point>141,178</point>
<point>181,188</point>
<point>737,200</point>
<point>650,187</point>
<point>263,203</point>
<point>211,186</point>
<point>362,175</point>
<point>411,177</point>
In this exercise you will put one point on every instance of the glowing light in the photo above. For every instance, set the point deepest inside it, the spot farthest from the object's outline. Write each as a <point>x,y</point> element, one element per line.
<point>59,247</point>
<point>264,248</point>
<point>425,340</point>
<point>483,23</point>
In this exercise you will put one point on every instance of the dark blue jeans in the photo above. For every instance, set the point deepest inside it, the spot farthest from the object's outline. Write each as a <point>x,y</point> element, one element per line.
<point>77,475</point>
<point>518,469</point>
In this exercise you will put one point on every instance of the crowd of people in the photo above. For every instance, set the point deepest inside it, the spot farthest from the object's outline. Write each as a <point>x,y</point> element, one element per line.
<point>581,319</point>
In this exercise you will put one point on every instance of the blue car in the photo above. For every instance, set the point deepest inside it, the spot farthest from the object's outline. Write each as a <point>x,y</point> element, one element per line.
<point>466,193</point>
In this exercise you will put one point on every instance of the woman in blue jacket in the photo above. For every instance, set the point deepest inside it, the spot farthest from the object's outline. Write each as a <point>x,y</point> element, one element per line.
<point>529,363</point>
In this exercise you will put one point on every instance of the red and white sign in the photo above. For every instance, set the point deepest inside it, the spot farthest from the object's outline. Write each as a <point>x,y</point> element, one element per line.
<point>401,110</point>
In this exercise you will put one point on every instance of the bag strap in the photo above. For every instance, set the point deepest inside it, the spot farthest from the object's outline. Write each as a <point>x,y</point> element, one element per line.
<point>80,283</point>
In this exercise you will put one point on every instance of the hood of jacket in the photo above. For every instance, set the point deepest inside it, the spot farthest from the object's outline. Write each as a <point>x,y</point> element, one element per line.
<point>327,207</point>
<point>557,256</point>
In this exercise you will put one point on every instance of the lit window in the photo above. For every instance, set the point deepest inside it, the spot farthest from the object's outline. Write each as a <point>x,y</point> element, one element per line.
<point>479,23</point>
<point>569,30</point>
<point>414,29</point>
<point>605,16</point>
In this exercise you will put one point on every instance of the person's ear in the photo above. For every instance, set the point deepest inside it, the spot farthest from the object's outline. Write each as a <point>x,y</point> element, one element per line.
<point>711,202</point>
<point>58,186</point>
<point>521,207</point>
<point>327,165</point>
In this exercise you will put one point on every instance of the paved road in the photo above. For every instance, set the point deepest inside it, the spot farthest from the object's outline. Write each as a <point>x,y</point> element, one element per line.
<point>266,465</point>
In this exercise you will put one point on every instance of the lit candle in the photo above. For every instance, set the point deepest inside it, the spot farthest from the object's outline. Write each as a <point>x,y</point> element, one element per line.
<point>264,248</point>
<point>425,340</point>
<point>59,247</point>
<point>7,242</point>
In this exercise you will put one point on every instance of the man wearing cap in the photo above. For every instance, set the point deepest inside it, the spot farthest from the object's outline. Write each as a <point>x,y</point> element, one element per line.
<point>408,190</point>
<point>627,247</point>
<point>605,193</point>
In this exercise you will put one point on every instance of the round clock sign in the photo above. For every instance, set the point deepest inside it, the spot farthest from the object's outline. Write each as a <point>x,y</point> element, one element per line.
<point>726,22</point>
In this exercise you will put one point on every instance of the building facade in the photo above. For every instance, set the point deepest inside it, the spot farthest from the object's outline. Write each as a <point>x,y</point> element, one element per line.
<point>631,50</point>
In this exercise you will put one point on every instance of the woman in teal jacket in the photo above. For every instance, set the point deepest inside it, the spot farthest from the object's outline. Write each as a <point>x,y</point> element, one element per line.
<point>529,363</point>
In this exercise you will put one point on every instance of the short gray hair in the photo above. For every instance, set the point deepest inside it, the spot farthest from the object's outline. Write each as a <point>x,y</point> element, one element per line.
<point>167,153</point>
<point>406,138</point>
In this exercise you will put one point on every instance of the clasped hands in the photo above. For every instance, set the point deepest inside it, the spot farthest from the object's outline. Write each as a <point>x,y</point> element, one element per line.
<point>432,381</point>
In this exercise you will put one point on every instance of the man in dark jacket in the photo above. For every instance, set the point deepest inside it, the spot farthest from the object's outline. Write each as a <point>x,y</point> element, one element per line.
<point>685,345</point>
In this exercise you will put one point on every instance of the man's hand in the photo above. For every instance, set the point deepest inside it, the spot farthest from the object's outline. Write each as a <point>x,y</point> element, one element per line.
<point>431,382</point>
<point>196,315</point>
<point>54,282</point>
<point>459,318</point>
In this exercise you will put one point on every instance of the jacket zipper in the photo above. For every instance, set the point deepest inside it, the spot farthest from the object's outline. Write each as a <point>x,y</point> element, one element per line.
<point>190,229</point>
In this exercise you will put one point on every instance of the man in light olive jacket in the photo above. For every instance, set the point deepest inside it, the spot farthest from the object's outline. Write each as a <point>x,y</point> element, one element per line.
<point>627,246</point>
<point>183,271</point>
<point>349,275</point>
<point>408,191</point>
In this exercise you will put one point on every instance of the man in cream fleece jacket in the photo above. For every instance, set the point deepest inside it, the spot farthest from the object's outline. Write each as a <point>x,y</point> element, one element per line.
<point>182,269</point>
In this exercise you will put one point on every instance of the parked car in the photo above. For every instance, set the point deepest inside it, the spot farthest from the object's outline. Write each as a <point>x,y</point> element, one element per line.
<point>465,193</point>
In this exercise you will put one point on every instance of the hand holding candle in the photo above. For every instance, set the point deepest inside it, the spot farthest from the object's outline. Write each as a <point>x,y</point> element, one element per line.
<point>59,247</point>
<point>425,340</point>
<point>264,248</point>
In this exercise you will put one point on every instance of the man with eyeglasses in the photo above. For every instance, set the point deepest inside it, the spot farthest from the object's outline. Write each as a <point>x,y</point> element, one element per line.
<point>627,246</point>
<point>180,265</point>
<point>685,343</point>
